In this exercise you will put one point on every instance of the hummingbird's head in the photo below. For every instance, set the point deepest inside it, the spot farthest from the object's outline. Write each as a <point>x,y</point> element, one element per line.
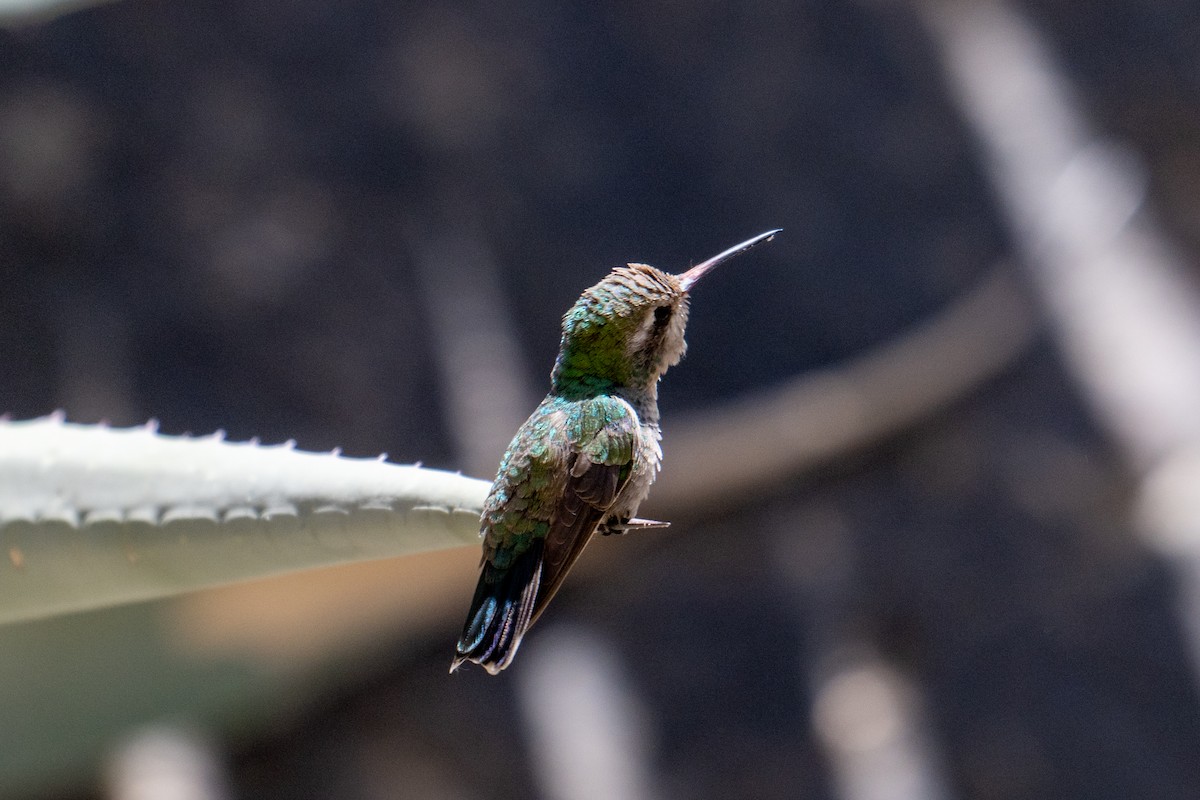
<point>623,332</point>
<point>627,330</point>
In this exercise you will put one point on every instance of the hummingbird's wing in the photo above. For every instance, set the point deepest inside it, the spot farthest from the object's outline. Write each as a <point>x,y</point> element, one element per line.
<point>589,494</point>
<point>535,535</point>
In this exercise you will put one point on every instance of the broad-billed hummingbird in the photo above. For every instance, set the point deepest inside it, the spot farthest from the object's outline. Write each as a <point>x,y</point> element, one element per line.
<point>584,460</point>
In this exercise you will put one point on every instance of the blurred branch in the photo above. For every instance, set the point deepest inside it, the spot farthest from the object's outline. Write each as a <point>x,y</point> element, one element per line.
<point>872,726</point>
<point>589,731</point>
<point>482,375</point>
<point>871,720</point>
<point>1124,310</point>
<point>814,418</point>
<point>166,763</point>
<point>92,516</point>
<point>1122,301</point>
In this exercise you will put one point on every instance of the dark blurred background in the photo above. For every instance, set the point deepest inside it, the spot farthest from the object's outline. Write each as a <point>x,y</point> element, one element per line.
<point>357,224</point>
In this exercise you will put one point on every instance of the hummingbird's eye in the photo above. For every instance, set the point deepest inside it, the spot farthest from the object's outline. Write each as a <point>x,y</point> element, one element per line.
<point>661,315</point>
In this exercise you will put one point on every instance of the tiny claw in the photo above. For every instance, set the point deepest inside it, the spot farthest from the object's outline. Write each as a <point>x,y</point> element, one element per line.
<point>635,524</point>
<point>645,524</point>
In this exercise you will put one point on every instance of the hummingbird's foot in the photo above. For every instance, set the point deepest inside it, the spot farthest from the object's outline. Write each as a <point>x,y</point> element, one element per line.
<point>619,527</point>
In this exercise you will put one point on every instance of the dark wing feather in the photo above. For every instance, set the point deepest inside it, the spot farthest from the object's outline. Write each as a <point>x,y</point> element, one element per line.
<point>590,492</point>
<point>596,484</point>
<point>500,612</point>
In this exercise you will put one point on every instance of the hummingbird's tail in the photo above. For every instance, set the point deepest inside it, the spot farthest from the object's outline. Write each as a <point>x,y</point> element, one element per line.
<point>501,612</point>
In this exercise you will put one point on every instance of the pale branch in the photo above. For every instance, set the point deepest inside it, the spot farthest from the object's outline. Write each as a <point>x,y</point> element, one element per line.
<point>1122,299</point>
<point>718,456</point>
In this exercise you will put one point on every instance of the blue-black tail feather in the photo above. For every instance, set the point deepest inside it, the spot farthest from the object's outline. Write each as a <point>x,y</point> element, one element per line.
<point>501,612</point>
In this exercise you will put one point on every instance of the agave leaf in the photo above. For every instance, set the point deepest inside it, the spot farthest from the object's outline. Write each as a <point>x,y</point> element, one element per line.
<point>14,13</point>
<point>92,516</point>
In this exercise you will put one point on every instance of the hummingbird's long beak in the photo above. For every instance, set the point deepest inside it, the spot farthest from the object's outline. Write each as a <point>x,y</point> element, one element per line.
<point>689,278</point>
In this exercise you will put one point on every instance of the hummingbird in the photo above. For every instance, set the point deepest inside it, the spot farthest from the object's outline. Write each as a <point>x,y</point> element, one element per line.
<point>585,459</point>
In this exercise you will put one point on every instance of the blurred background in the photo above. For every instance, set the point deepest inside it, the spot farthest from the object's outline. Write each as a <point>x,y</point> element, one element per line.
<point>931,462</point>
